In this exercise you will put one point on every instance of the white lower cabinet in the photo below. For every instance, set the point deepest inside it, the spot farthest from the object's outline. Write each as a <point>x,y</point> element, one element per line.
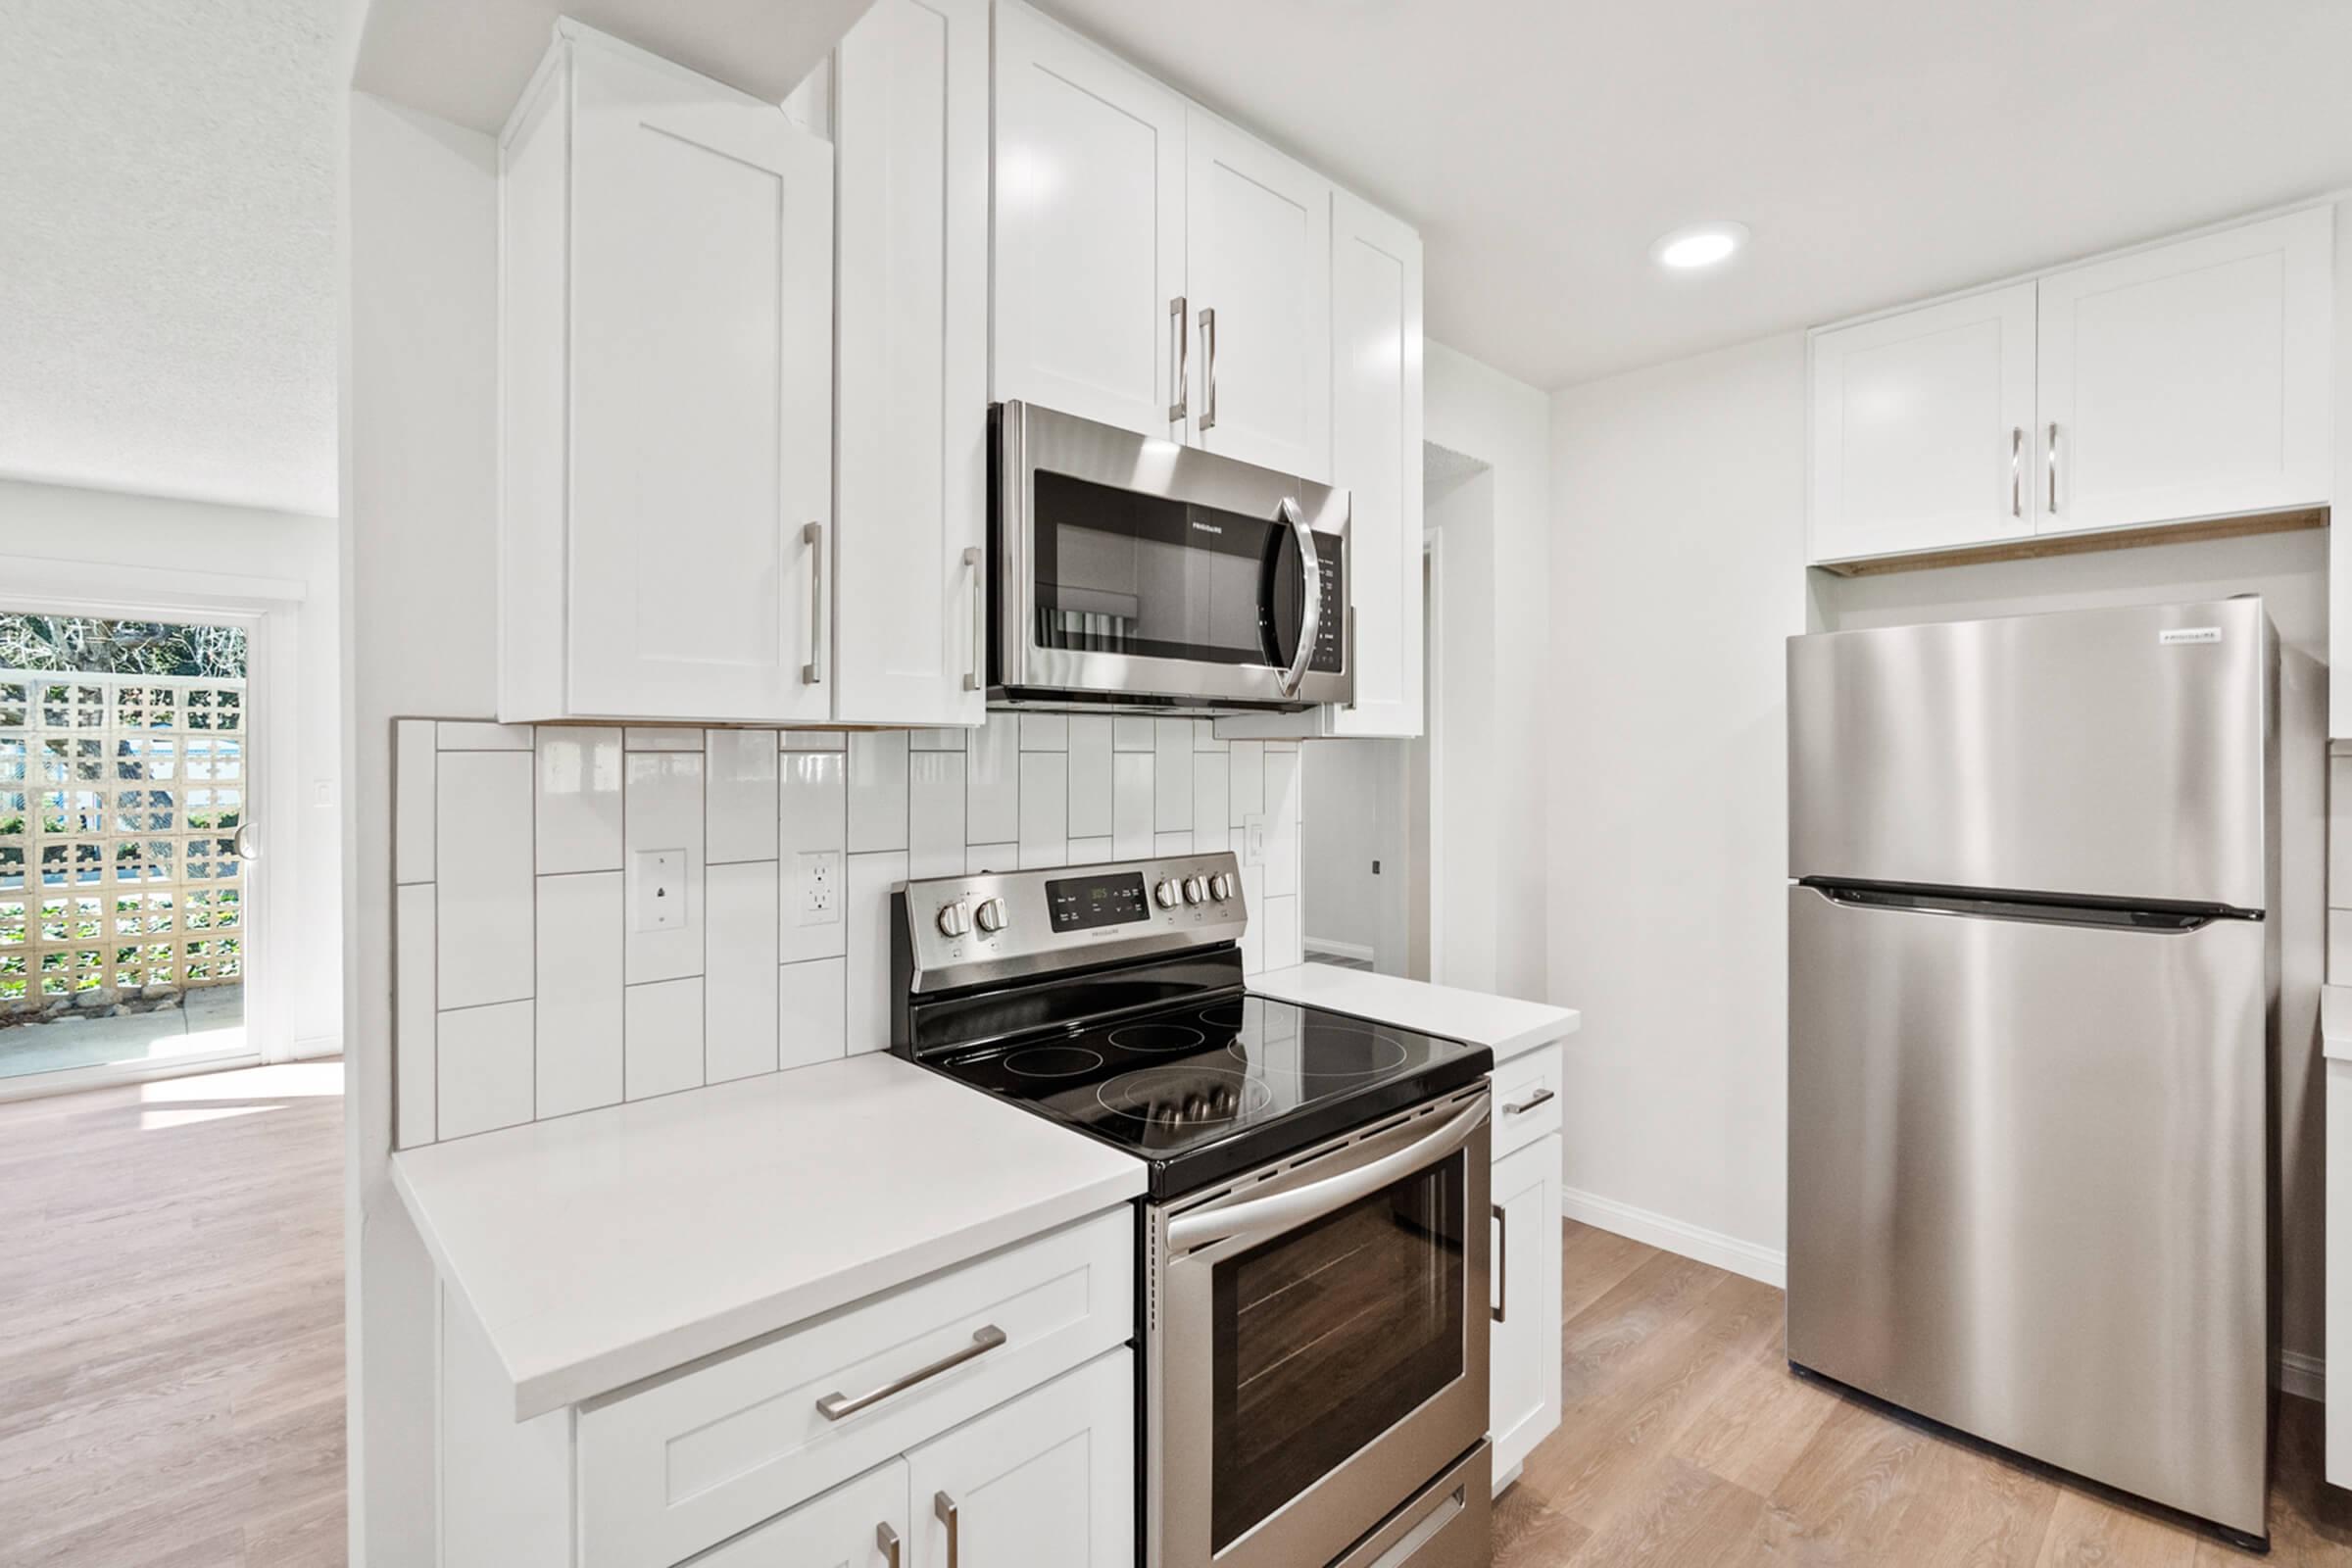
<point>860,1524</point>
<point>1046,1480</point>
<point>1523,1338</point>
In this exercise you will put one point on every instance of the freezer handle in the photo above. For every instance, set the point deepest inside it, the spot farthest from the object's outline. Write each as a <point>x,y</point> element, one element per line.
<point>2043,909</point>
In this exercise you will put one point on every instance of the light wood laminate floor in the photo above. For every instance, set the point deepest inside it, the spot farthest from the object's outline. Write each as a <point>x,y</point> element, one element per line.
<point>1686,1440</point>
<point>171,1323</point>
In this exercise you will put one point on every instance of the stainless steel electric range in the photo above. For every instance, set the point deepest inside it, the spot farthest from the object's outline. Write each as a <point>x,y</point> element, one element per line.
<point>1314,1316</point>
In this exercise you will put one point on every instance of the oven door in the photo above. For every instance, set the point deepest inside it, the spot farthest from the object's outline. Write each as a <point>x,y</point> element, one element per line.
<point>1318,1346</point>
<point>1133,568</point>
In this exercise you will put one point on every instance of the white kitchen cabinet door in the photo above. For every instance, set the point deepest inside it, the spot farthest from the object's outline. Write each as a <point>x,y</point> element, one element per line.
<point>1376,455</point>
<point>1523,1338</point>
<point>2190,379</point>
<point>1923,428</point>
<point>1259,264</point>
<point>858,1524</point>
<point>910,135</point>
<point>1046,1480</point>
<point>1089,192</point>
<point>667,322</point>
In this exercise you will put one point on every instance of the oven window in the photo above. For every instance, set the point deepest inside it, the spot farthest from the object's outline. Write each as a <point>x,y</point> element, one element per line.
<point>1123,572</point>
<point>1326,1337</point>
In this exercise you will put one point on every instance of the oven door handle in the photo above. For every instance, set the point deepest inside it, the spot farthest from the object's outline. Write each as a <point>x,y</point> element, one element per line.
<point>1252,1218</point>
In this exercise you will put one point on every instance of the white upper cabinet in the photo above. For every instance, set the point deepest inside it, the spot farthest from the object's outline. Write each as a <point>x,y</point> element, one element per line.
<point>911,132</point>
<point>2192,380</point>
<point>1046,1480</point>
<point>666,322</point>
<point>1923,428</point>
<point>1090,246</point>
<point>2175,384</point>
<point>1376,454</point>
<point>1258,274</point>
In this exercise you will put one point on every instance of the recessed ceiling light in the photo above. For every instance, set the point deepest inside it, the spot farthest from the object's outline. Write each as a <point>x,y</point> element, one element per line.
<point>1700,245</point>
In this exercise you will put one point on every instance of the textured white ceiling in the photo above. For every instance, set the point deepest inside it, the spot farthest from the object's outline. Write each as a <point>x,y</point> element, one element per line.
<point>1880,149</point>
<point>167,247</point>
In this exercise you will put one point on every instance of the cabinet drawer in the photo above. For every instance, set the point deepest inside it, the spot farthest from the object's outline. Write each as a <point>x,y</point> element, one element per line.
<point>1527,1098</point>
<point>675,1465</point>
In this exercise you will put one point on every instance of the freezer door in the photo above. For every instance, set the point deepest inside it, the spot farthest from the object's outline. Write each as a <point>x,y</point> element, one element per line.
<point>2026,1187</point>
<point>2119,752</point>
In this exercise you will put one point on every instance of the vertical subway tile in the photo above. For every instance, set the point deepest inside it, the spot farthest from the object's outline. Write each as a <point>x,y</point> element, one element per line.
<point>1246,780</point>
<point>812,840</point>
<point>472,735</point>
<point>1167,844</point>
<point>673,738</point>
<point>414,801</point>
<point>578,1021</point>
<point>1282,828</point>
<point>993,781</point>
<point>1205,737</point>
<point>740,795</point>
<point>413,1045</point>
<point>1045,810</point>
<point>663,811</point>
<point>483,849</point>
<point>872,879</point>
<point>936,740</point>
<point>934,814</point>
<point>814,740</point>
<point>739,979</point>
<point>979,857</point>
<point>484,1065</point>
<point>810,999</point>
<point>663,1024</point>
<point>1172,781</point>
<point>1131,803</point>
<point>577,799</point>
<point>1088,851</point>
<point>877,790</point>
<point>1090,803</point>
<point>1133,734</point>
<point>1209,773</point>
<point>1282,933</point>
<point>1044,732</point>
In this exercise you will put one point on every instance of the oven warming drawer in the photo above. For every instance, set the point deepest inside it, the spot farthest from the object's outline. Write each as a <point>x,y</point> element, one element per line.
<point>1448,1525</point>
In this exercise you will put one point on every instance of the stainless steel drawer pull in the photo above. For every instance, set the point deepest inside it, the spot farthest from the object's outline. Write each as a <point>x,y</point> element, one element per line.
<point>1502,1264</point>
<point>945,1507</point>
<point>1182,409</point>
<point>886,1541</point>
<point>1538,1097</point>
<point>835,1406</point>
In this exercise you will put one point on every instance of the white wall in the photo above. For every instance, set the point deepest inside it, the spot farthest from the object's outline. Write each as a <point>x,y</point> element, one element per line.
<point>1354,816</point>
<point>1678,571</point>
<point>1496,538</point>
<point>100,548</point>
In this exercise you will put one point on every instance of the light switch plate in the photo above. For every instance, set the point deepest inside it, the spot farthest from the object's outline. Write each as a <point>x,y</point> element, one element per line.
<point>820,887</point>
<point>1254,839</point>
<point>657,901</point>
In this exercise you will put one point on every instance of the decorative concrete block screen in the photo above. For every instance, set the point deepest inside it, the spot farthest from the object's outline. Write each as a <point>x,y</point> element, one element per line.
<point>521,989</point>
<point>121,797</point>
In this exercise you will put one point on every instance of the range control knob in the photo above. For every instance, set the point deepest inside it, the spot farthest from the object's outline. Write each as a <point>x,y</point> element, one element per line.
<point>952,920</point>
<point>991,914</point>
<point>1164,893</point>
<point>1220,886</point>
<point>1194,890</point>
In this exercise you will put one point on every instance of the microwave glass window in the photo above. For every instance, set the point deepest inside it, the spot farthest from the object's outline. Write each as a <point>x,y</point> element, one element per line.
<point>1124,572</point>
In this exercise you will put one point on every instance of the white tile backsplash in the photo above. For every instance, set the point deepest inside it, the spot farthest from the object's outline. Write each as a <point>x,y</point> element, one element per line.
<point>541,1001</point>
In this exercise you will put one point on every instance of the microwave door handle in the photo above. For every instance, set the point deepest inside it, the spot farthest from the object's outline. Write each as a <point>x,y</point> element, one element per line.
<point>1254,1218</point>
<point>1310,577</point>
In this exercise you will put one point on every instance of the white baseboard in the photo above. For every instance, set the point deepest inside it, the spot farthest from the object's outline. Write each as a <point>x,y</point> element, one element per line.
<point>1675,1235</point>
<point>2301,1375</point>
<point>1338,950</point>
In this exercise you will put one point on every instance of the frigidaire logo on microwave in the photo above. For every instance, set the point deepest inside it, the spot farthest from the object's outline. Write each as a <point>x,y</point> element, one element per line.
<point>1208,527</point>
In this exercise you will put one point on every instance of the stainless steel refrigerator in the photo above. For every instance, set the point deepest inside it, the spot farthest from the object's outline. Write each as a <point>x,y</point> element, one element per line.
<point>2032,984</point>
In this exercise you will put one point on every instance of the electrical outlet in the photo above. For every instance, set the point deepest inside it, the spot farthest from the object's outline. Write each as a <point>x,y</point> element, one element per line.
<point>821,887</point>
<point>1253,840</point>
<point>658,903</point>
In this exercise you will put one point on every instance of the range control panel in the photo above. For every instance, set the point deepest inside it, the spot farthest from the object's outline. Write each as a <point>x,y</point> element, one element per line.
<point>969,930</point>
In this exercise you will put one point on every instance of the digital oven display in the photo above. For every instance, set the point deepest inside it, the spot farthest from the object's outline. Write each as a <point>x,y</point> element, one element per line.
<point>1082,903</point>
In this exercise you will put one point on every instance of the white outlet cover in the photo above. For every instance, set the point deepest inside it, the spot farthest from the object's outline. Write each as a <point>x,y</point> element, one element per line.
<point>659,900</point>
<point>821,887</point>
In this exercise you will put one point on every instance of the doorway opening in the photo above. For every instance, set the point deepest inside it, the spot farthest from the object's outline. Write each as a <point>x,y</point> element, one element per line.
<point>127,848</point>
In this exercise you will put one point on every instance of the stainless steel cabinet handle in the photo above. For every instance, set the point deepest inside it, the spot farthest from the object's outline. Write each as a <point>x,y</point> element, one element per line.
<point>813,673</point>
<point>886,1541</point>
<point>1310,571</point>
<point>2017,470</point>
<point>973,681</point>
<point>2053,468</point>
<point>1502,1264</point>
<point>1529,1103</point>
<point>945,1506</point>
<point>1209,347</point>
<point>1181,410</point>
<point>837,1407</point>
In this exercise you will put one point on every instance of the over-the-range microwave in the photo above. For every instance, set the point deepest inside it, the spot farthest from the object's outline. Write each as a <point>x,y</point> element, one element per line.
<point>1132,571</point>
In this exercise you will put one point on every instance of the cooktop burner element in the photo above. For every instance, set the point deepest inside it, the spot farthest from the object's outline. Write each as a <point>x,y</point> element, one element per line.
<point>1156,1037</point>
<point>1053,1061</point>
<point>1182,1097</point>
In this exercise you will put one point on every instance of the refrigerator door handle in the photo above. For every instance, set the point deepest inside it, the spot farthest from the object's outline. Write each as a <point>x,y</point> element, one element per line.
<point>2103,913</point>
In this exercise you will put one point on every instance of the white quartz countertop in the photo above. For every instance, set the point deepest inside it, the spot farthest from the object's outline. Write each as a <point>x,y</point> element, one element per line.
<point>2336,1022</point>
<point>603,1248</point>
<point>1505,1024</point>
